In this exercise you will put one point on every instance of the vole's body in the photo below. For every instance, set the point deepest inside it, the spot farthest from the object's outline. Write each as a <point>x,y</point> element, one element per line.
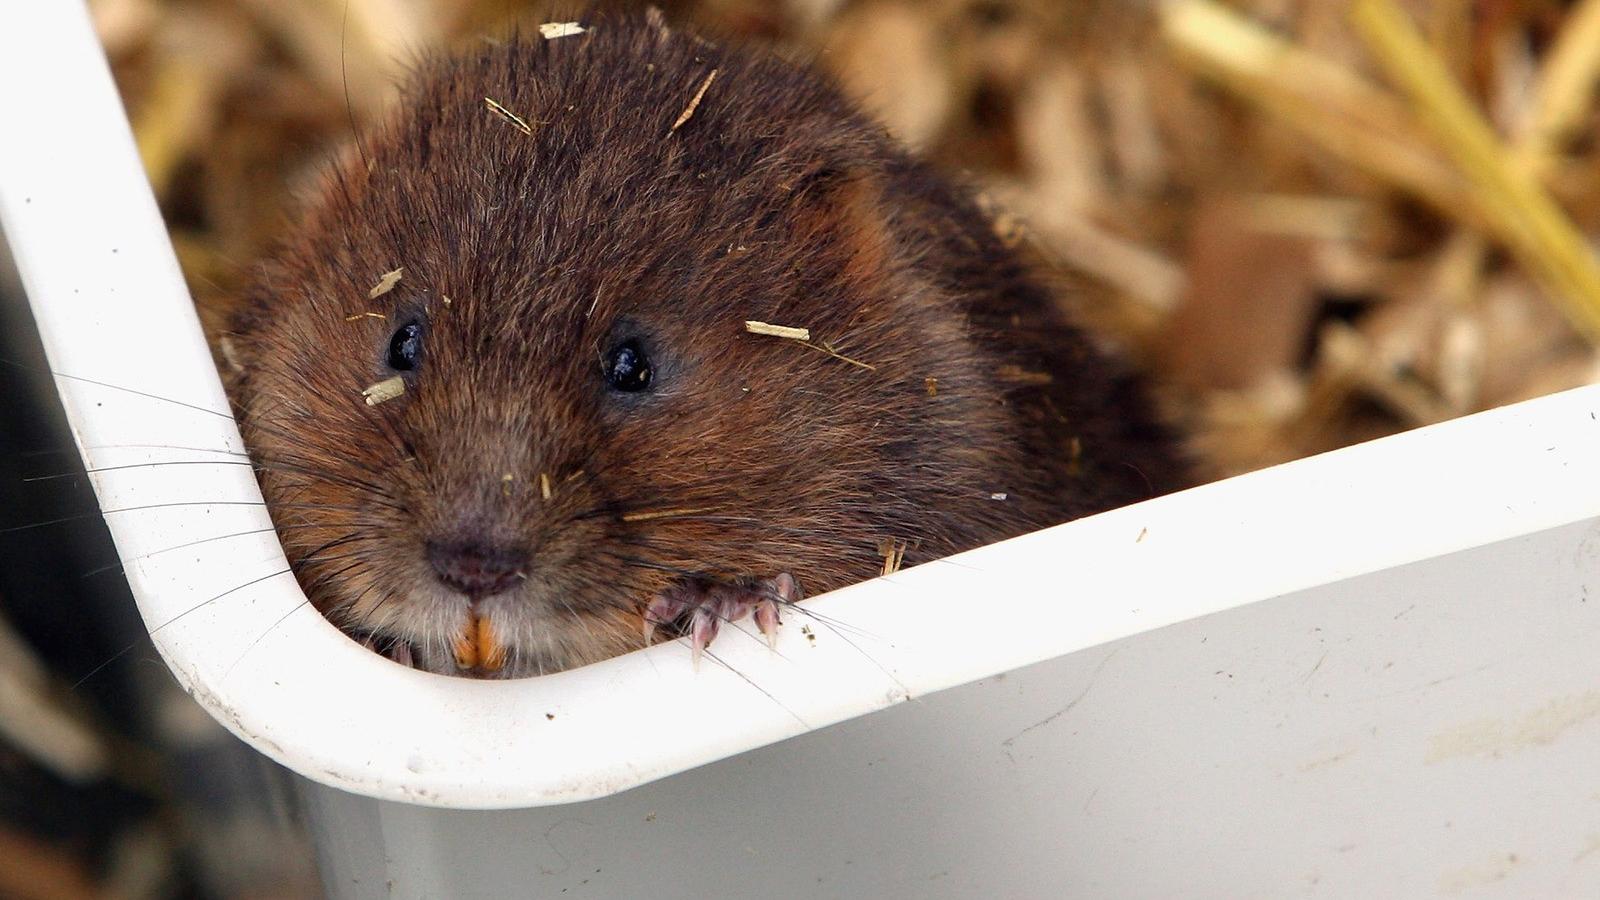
<point>514,510</point>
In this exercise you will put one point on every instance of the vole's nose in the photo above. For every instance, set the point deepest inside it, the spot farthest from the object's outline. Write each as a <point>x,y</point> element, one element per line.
<point>477,569</point>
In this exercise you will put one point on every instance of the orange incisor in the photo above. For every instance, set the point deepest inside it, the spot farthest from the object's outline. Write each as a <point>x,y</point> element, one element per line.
<point>476,647</point>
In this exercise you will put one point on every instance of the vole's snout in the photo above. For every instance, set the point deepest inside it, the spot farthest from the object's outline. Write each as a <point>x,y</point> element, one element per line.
<point>477,569</point>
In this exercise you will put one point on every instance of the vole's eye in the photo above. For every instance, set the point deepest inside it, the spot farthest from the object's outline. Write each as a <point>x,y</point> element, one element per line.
<point>405,348</point>
<point>627,368</point>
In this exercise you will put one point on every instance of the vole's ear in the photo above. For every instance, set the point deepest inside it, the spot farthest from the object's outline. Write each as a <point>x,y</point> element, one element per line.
<point>837,201</point>
<point>822,157</point>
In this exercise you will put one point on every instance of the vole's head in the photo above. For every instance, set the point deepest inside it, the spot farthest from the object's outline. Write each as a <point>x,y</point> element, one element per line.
<point>580,415</point>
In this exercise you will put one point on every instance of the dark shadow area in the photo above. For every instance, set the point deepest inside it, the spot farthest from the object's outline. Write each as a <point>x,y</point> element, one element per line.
<point>112,781</point>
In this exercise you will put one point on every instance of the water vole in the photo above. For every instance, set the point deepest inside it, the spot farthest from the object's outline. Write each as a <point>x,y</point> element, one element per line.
<point>569,432</point>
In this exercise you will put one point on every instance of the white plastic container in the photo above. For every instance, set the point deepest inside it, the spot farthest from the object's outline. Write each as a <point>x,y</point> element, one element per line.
<point>1371,673</point>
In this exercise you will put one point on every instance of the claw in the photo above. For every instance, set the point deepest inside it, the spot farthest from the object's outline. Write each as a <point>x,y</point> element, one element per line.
<point>766,615</point>
<point>780,590</point>
<point>707,604</point>
<point>651,620</point>
<point>702,633</point>
<point>787,589</point>
<point>662,610</point>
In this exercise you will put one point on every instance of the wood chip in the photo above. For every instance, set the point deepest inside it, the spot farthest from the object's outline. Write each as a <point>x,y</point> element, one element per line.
<point>230,354</point>
<point>998,495</point>
<point>932,384</point>
<point>385,284</point>
<point>893,553</point>
<point>552,30</point>
<point>1020,375</point>
<point>782,331</point>
<point>544,485</point>
<point>385,390</point>
<point>802,336</point>
<point>516,121</point>
<point>693,104</point>
<point>824,348</point>
<point>647,515</point>
<point>366,315</point>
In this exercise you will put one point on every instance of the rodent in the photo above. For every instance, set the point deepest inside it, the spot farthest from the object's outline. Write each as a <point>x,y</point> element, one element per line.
<point>589,438</point>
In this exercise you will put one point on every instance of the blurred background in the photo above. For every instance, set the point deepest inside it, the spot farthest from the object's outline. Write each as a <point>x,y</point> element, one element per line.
<point>1313,222</point>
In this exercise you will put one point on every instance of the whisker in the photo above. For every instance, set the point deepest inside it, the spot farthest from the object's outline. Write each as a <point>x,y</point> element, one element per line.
<point>335,558</point>
<point>219,537</point>
<point>74,450</point>
<point>747,680</point>
<point>125,650</point>
<point>118,387</point>
<point>834,624</point>
<point>344,80</point>
<point>754,636</point>
<point>660,567</point>
<point>107,512</point>
<point>178,462</point>
<point>225,593</point>
<point>97,669</point>
<point>326,577</point>
<point>270,628</point>
<point>838,631</point>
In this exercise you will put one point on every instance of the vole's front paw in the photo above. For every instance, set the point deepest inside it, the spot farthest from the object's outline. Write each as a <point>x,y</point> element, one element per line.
<point>697,607</point>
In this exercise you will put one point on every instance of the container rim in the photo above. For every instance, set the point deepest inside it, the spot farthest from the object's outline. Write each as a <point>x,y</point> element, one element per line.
<point>141,390</point>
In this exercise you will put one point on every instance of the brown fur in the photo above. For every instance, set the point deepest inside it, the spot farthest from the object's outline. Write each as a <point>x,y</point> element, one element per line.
<point>776,201</point>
